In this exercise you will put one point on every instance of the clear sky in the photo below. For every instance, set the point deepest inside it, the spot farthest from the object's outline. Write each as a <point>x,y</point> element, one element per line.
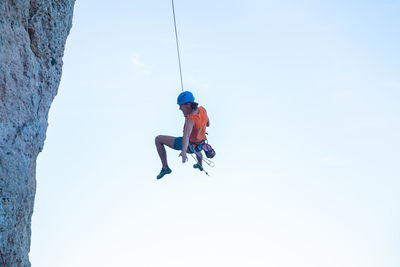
<point>303,99</point>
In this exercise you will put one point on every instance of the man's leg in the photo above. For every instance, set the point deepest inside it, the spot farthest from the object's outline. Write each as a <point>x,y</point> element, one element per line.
<point>162,140</point>
<point>198,165</point>
<point>199,157</point>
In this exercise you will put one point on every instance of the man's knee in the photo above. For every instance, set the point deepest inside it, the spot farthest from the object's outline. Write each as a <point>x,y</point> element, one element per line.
<point>158,139</point>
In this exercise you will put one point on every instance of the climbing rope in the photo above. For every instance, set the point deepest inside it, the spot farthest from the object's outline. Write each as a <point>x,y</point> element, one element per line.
<point>209,162</point>
<point>177,44</point>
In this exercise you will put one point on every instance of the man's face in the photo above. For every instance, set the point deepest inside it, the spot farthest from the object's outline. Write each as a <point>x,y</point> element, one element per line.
<point>185,109</point>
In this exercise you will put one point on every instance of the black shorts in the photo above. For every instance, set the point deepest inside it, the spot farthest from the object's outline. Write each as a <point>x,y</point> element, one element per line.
<point>178,145</point>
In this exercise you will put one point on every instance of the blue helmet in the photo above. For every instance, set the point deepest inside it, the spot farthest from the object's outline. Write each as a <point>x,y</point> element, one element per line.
<point>185,97</point>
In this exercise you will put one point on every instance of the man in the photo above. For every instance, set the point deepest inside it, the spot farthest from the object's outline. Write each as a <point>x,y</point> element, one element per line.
<point>194,132</point>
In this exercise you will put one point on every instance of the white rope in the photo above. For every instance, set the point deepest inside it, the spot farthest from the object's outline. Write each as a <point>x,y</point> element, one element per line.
<point>177,45</point>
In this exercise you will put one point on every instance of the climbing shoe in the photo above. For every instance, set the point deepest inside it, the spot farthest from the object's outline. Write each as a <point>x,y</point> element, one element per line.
<point>198,166</point>
<point>164,172</point>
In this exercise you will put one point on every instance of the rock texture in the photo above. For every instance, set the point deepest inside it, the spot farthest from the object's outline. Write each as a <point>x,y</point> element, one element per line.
<point>32,40</point>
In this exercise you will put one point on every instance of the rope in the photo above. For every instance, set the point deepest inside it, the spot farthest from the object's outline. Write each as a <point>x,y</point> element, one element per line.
<point>1,254</point>
<point>206,160</point>
<point>177,44</point>
<point>209,162</point>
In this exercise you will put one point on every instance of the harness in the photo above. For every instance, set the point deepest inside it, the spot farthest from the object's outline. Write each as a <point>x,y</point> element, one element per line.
<point>197,147</point>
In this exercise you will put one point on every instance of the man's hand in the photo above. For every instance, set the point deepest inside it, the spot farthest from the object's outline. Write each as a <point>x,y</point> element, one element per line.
<point>184,156</point>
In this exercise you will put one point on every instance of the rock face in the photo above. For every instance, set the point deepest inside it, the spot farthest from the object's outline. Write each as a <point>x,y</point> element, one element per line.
<point>32,40</point>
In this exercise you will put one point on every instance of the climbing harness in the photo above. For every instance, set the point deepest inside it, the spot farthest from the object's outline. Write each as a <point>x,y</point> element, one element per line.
<point>196,148</point>
<point>2,259</point>
<point>177,44</point>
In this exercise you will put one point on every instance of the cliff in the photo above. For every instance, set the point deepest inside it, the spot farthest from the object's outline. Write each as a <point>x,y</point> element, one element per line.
<point>32,40</point>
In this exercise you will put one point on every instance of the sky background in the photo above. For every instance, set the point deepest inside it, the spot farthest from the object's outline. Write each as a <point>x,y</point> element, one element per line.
<point>303,99</point>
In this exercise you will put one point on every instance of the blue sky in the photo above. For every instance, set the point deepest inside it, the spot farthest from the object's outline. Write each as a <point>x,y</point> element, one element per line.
<point>303,103</point>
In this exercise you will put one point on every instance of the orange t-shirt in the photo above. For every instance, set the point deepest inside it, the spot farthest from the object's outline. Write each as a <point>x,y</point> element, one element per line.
<point>199,128</point>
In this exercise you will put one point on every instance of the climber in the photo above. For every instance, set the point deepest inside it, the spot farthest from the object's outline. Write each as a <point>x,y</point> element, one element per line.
<point>194,133</point>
